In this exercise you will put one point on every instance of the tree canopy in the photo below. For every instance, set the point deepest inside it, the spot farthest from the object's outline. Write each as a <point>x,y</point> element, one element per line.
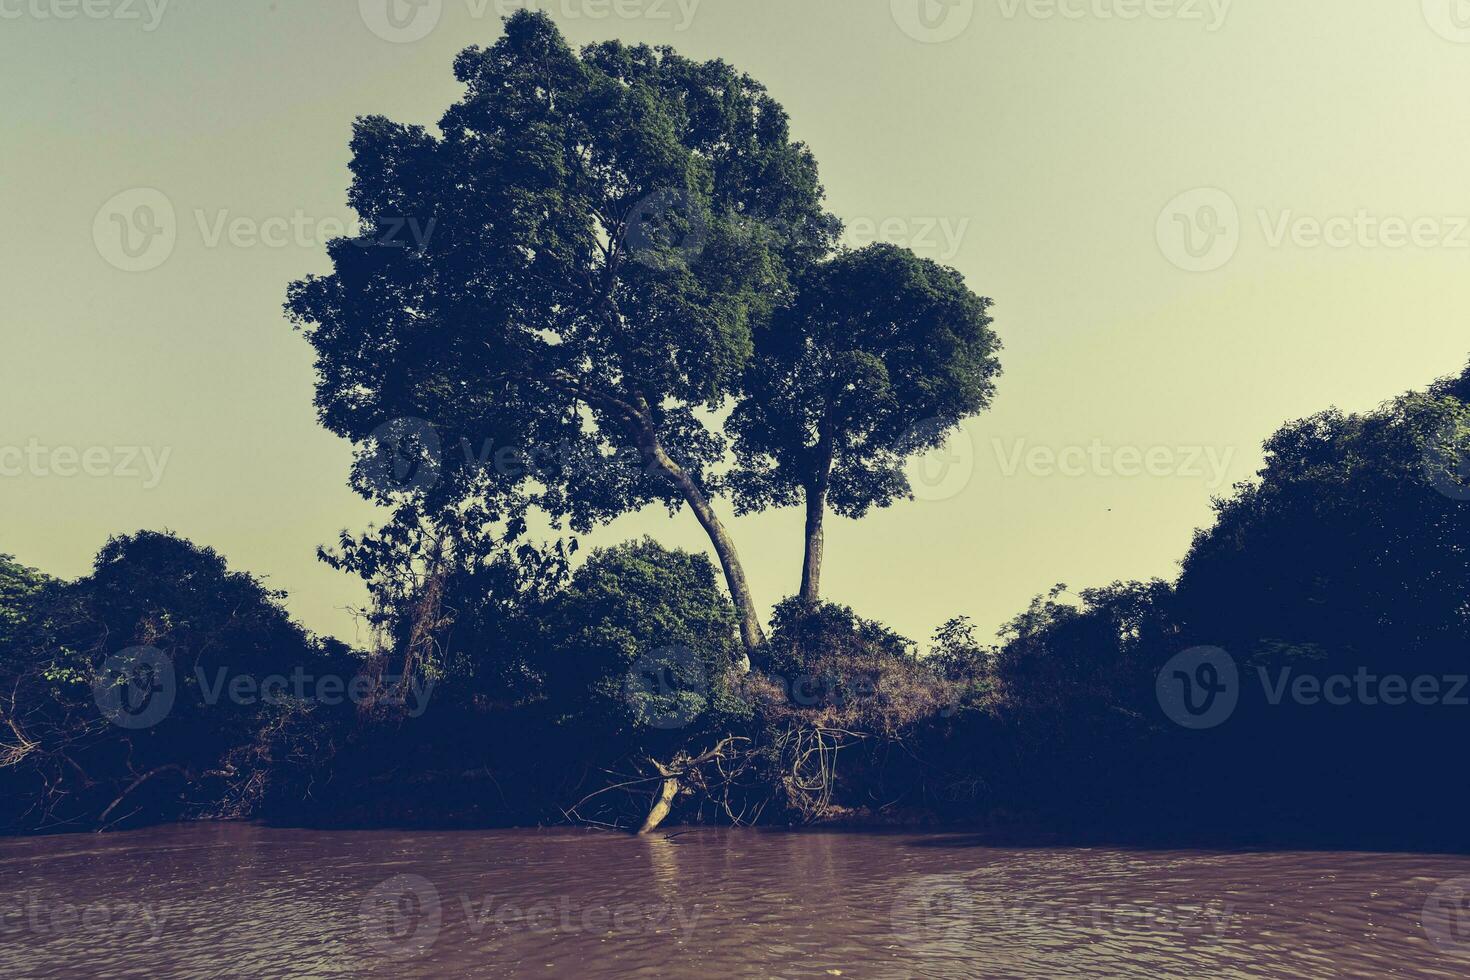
<point>597,239</point>
<point>881,356</point>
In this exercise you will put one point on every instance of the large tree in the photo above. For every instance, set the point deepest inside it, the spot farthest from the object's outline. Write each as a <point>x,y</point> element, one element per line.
<point>880,357</point>
<point>554,286</point>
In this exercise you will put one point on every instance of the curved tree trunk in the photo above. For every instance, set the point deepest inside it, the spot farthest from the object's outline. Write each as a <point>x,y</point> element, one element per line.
<point>639,417</point>
<point>752,636</point>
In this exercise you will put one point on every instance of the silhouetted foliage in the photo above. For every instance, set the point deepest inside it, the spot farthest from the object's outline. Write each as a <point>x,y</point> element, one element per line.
<point>198,627</point>
<point>598,694</point>
<point>640,641</point>
<point>599,237</point>
<point>1348,558</point>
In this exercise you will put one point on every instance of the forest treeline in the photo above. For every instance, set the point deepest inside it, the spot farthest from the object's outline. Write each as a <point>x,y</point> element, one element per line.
<point>595,694</point>
<point>623,289</point>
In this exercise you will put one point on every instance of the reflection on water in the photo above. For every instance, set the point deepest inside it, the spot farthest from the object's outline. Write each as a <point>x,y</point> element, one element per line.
<point>246,901</point>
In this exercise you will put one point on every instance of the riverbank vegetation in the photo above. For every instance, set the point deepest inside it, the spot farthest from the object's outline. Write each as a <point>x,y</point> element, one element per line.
<point>525,687</point>
<point>625,292</point>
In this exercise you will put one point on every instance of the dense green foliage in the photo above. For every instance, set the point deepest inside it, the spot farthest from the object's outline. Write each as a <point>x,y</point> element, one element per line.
<point>641,638</point>
<point>1348,558</point>
<point>597,239</point>
<point>72,763</point>
<point>560,696</point>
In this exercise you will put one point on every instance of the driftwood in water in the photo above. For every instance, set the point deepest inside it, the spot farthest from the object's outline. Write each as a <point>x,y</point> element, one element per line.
<point>663,802</point>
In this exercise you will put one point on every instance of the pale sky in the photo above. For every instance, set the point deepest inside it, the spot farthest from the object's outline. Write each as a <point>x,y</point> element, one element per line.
<point>1197,219</point>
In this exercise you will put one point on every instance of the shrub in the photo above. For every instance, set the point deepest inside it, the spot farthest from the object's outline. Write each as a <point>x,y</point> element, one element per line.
<point>640,643</point>
<point>192,627</point>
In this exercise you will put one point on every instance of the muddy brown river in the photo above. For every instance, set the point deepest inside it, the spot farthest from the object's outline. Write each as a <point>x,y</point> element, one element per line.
<point>232,900</point>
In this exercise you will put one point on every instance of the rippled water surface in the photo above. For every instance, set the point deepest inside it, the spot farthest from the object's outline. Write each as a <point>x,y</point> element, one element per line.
<point>246,901</point>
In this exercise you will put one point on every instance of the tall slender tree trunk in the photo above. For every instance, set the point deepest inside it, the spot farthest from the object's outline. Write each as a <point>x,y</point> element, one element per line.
<point>752,636</point>
<point>816,511</point>
<point>811,565</point>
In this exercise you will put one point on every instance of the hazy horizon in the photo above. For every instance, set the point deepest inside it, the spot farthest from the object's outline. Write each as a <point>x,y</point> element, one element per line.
<point>1196,224</point>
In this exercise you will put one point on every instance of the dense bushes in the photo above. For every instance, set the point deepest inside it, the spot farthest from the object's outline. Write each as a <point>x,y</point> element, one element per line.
<point>1344,568</point>
<point>599,694</point>
<point>640,642</point>
<point>134,693</point>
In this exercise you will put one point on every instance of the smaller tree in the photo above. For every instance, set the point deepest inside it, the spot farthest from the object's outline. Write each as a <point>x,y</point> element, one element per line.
<point>881,357</point>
